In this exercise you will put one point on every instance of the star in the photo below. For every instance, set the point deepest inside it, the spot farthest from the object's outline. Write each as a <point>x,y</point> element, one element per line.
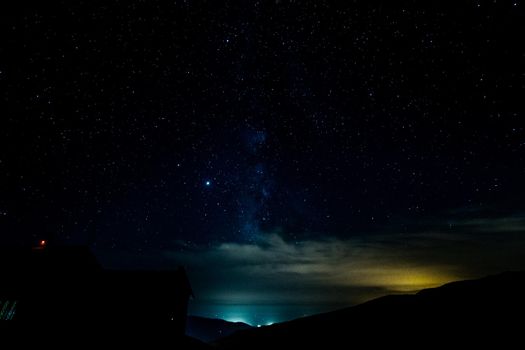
<point>207,183</point>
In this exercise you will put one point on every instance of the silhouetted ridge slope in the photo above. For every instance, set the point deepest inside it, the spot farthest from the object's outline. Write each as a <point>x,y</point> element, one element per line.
<point>209,329</point>
<point>489,309</point>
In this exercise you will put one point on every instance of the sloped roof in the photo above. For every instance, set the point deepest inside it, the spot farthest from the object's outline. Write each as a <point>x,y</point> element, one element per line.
<point>70,267</point>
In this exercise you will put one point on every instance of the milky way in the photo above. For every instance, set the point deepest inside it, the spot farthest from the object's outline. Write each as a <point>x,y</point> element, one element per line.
<point>156,131</point>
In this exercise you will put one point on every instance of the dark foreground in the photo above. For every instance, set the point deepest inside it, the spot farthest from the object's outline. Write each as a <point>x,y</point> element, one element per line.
<point>210,329</point>
<point>488,312</point>
<point>485,312</point>
<point>16,335</point>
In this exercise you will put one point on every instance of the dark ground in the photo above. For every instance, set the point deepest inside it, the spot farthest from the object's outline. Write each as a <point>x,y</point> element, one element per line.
<point>484,312</point>
<point>477,312</point>
<point>208,329</point>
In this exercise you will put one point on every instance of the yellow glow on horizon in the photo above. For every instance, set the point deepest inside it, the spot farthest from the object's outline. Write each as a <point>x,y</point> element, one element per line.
<point>401,279</point>
<point>406,281</point>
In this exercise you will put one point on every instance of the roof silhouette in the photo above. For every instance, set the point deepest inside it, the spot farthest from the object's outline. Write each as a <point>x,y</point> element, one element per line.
<point>67,283</point>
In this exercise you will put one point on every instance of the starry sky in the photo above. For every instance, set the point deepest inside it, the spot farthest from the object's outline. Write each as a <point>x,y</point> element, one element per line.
<point>305,151</point>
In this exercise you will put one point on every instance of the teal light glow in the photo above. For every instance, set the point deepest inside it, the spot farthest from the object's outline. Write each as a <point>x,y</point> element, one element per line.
<point>257,315</point>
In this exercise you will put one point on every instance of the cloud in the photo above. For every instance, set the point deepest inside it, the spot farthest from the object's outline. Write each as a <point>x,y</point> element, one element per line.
<point>347,271</point>
<point>505,224</point>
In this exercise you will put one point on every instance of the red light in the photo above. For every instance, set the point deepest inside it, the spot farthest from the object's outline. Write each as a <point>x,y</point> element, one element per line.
<point>43,243</point>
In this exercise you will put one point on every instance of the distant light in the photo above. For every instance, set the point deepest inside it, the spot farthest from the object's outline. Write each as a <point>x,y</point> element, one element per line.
<point>43,243</point>
<point>258,326</point>
<point>236,320</point>
<point>208,183</point>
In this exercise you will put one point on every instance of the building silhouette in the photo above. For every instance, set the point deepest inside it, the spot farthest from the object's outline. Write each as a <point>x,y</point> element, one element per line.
<point>67,284</point>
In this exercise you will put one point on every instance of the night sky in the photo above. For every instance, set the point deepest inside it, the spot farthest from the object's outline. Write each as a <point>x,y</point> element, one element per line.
<point>285,152</point>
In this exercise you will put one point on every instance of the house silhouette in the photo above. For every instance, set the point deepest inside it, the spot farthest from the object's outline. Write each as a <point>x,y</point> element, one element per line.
<point>67,284</point>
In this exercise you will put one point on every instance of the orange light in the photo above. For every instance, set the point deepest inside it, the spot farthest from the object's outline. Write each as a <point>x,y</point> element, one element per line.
<point>43,243</point>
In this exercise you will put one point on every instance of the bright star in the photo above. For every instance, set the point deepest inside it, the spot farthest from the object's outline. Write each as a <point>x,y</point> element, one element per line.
<point>208,183</point>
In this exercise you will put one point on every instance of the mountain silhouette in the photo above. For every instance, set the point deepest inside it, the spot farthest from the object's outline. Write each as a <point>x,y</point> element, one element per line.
<point>485,311</point>
<point>210,329</point>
